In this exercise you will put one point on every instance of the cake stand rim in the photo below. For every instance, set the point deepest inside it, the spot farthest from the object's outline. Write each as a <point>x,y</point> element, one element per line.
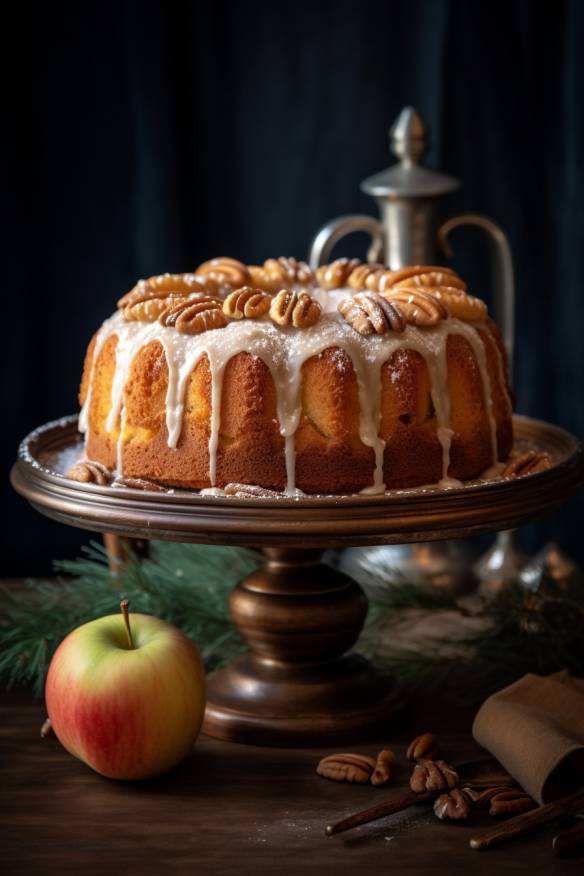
<point>400,516</point>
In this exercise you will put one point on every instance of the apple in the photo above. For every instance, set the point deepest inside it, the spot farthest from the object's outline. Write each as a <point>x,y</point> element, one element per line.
<point>126,695</point>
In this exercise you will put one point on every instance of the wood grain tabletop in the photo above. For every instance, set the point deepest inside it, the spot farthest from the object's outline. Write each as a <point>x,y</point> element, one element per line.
<point>232,809</point>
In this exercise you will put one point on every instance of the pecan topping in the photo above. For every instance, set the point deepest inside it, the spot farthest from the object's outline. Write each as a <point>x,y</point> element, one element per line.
<point>433,775</point>
<point>246,302</point>
<point>418,308</point>
<point>295,308</point>
<point>365,276</point>
<point>336,274</point>
<point>369,313</point>
<point>527,463</point>
<point>284,271</point>
<point>453,806</point>
<point>459,304</point>
<point>164,285</point>
<point>149,308</point>
<point>88,472</point>
<point>383,767</point>
<point>225,271</point>
<point>420,275</point>
<point>250,490</point>
<point>193,316</point>
<point>511,801</point>
<point>139,484</point>
<point>346,768</point>
<point>423,747</point>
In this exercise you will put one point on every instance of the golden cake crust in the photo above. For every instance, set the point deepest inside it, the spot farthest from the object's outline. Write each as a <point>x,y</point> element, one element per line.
<point>247,441</point>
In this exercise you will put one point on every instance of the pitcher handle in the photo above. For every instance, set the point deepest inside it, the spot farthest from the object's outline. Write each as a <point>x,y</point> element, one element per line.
<point>504,291</point>
<point>329,235</point>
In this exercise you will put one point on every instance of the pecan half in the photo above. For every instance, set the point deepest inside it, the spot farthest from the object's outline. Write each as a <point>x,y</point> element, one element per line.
<point>383,768</point>
<point>365,276</point>
<point>193,316</point>
<point>149,308</point>
<point>421,275</point>
<point>346,768</point>
<point>453,806</point>
<point>530,462</point>
<point>336,274</point>
<point>88,472</point>
<point>512,801</point>
<point>226,271</point>
<point>417,307</point>
<point>279,273</point>
<point>164,285</point>
<point>433,775</point>
<point>423,747</point>
<point>369,313</point>
<point>247,302</point>
<point>139,484</point>
<point>459,304</point>
<point>482,799</point>
<point>295,308</point>
<point>250,490</point>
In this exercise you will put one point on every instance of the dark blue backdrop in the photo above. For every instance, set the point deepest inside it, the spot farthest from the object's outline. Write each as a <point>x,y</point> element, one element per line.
<point>147,136</point>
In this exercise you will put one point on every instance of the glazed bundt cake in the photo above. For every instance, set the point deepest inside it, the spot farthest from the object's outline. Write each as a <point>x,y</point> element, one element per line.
<point>355,378</point>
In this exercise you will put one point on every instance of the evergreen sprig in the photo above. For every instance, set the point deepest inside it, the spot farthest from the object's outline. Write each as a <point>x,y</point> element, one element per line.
<point>186,585</point>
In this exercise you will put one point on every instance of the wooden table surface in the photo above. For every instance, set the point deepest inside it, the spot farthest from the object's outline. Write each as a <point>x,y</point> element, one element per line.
<point>230,809</point>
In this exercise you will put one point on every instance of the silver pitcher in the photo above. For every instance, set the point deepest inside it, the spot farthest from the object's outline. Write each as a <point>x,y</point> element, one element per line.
<point>411,231</point>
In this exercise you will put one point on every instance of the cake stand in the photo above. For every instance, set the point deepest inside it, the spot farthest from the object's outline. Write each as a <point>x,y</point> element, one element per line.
<point>296,685</point>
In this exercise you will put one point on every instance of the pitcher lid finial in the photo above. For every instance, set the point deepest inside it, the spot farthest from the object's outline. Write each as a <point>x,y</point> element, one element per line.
<point>408,136</point>
<point>408,139</point>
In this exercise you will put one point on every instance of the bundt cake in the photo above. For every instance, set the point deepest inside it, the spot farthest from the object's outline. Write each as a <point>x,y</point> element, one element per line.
<point>355,378</point>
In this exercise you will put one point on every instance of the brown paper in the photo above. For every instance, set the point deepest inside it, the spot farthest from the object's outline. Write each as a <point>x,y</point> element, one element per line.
<point>535,728</point>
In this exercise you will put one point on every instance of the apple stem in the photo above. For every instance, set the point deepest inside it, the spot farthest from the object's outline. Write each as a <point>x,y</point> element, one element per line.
<point>125,608</point>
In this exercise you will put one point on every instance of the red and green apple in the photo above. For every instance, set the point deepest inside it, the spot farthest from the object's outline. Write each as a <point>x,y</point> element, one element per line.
<point>126,695</point>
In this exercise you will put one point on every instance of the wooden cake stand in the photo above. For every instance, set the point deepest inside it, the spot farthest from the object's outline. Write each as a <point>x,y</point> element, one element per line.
<point>296,685</point>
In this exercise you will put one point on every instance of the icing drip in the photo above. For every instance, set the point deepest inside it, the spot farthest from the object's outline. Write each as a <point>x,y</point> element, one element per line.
<point>284,351</point>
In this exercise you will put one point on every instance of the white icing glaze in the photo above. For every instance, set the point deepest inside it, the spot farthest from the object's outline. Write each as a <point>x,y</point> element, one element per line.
<point>284,351</point>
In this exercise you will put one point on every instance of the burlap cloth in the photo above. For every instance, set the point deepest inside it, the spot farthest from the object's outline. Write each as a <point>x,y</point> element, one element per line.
<point>535,728</point>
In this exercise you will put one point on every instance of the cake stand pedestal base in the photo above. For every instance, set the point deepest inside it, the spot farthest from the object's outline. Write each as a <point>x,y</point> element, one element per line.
<point>294,687</point>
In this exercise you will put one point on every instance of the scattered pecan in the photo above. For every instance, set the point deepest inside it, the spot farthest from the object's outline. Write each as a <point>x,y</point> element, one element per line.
<point>433,775</point>
<point>246,302</point>
<point>295,308</point>
<point>369,313</point>
<point>346,768</point>
<point>418,308</point>
<point>482,799</point>
<point>453,806</point>
<point>225,271</point>
<point>139,484</point>
<point>336,274</point>
<point>511,801</point>
<point>196,315</point>
<point>530,462</point>
<point>423,747</point>
<point>250,490</point>
<point>458,303</point>
<point>88,472</point>
<point>420,275</point>
<point>383,768</point>
<point>365,276</point>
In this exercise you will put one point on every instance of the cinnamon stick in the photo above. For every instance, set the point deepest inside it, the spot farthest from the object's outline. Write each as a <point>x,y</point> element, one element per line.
<point>529,821</point>
<point>389,807</point>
